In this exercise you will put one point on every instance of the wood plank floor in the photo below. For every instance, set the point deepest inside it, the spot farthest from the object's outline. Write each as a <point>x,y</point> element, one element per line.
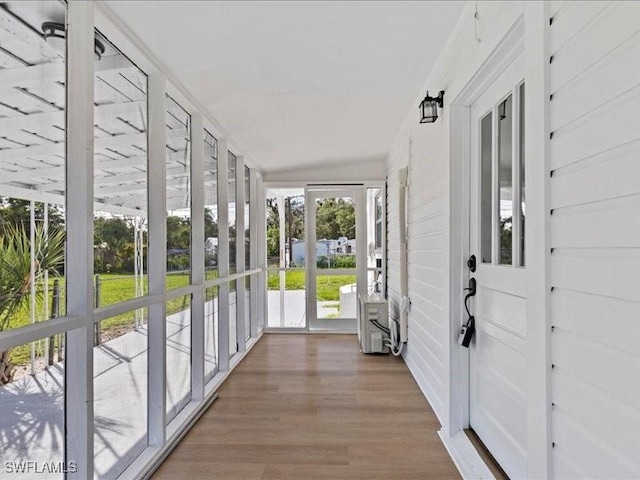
<point>311,407</point>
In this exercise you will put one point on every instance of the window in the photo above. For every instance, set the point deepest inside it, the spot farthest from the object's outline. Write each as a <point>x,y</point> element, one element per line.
<point>178,195</point>
<point>502,182</point>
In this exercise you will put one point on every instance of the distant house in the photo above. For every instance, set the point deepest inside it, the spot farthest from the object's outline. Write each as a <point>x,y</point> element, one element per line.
<point>211,245</point>
<point>324,248</point>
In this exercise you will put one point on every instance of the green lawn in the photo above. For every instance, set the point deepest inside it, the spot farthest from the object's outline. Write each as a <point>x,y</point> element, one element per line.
<point>115,288</point>
<point>328,285</point>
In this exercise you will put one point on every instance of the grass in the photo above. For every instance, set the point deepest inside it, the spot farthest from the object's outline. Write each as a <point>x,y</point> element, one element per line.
<point>328,286</point>
<point>115,288</point>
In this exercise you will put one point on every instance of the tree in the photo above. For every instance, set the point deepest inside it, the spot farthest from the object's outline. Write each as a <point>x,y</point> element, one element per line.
<point>111,237</point>
<point>15,274</point>
<point>15,212</point>
<point>210,224</point>
<point>294,224</point>
<point>335,218</point>
<point>178,233</point>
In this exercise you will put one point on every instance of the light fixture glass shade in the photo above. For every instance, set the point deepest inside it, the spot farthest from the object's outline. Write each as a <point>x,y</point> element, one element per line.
<point>55,35</point>
<point>428,111</point>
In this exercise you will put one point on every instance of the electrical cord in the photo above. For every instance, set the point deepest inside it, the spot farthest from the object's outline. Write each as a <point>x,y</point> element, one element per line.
<point>395,339</point>
<point>381,327</point>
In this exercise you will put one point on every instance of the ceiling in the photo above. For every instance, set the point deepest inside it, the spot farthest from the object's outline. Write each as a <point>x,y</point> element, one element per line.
<point>299,84</point>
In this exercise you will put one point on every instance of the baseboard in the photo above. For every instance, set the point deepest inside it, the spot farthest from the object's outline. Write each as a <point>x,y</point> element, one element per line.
<point>465,456</point>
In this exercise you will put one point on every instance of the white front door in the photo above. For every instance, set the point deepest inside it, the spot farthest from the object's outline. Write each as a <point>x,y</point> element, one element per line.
<point>498,364</point>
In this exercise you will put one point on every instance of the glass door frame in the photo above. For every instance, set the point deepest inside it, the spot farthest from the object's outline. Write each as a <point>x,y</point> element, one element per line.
<point>358,194</point>
<point>362,269</point>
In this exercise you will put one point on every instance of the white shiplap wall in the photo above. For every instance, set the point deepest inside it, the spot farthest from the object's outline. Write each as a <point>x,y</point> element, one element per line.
<point>426,150</point>
<point>595,236</point>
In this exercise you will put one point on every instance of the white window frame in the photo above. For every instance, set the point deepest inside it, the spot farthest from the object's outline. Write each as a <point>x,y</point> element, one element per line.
<point>78,323</point>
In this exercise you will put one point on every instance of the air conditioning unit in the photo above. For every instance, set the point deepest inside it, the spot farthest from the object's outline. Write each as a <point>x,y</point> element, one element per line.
<point>373,324</point>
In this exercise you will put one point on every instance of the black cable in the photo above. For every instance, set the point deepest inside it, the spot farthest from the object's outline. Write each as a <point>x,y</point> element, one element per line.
<point>381,327</point>
<point>466,306</point>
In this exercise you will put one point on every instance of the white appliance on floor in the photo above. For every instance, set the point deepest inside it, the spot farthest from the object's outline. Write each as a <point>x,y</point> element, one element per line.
<point>373,324</point>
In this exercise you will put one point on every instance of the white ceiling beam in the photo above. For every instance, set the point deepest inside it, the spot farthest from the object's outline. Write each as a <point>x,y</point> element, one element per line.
<point>37,121</point>
<point>58,171</point>
<point>113,179</point>
<point>174,201</point>
<point>23,33</point>
<point>12,78</point>
<point>13,154</point>
<point>58,199</point>
<point>107,191</point>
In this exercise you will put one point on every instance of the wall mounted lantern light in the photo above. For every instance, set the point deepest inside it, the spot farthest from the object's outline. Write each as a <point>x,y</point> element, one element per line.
<point>55,35</point>
<point>429,107</point>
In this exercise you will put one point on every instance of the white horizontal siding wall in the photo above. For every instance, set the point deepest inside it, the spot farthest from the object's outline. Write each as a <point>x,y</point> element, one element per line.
<point>425,149</point>
<point>595,236</point>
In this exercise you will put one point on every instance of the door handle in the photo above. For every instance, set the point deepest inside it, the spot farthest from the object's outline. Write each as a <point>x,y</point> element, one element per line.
<point>467,330</point>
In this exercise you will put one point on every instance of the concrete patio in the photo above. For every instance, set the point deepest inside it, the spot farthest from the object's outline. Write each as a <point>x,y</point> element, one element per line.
<point>32,420</point>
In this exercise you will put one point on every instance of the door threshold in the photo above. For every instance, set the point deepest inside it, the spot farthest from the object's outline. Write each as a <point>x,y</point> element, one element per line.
<point>485,454</point>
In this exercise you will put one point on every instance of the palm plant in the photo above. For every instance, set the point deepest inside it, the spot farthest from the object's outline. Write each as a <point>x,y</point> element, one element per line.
<point>16,276</point>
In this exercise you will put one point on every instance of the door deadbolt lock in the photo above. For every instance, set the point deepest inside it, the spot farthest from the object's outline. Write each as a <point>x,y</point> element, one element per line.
<point>471,263</point>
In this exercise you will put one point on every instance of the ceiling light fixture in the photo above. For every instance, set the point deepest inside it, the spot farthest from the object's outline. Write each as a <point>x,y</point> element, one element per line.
<point>429,107</point>
<point>55,34</point>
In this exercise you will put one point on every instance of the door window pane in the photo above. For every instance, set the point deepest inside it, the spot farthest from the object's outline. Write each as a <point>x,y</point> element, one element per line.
<point>336,296</point>
<point>335,233</point>
<point>486,190</point>
<point>505,180</point>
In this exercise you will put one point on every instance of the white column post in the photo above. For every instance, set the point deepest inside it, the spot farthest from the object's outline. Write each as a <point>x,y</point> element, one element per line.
<point>197,257</point>
<point>79,224</point>
<point>254,249</point>
<point>32,274</point>
<point>262,254</point>
<point>283,255</point>
<point>223,255</point>
<point>157,268</point>
<point>240,255</point>
<point>537,239</point>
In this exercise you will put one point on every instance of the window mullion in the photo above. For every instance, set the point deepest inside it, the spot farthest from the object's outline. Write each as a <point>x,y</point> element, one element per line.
<point>79,250</point>
<point>157,204</point>
<point>515,168</point>
<point>495,188</point>
<point>240,255</point>
<point>197,257</point>
<point>223,254</point>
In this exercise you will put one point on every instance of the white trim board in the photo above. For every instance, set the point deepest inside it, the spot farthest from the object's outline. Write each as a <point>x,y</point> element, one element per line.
<point>465,456</point>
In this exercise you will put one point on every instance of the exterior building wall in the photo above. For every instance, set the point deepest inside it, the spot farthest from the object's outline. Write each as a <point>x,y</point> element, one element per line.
<point>585,351</point>
<point>425,149</point>
<point>595,238</point>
